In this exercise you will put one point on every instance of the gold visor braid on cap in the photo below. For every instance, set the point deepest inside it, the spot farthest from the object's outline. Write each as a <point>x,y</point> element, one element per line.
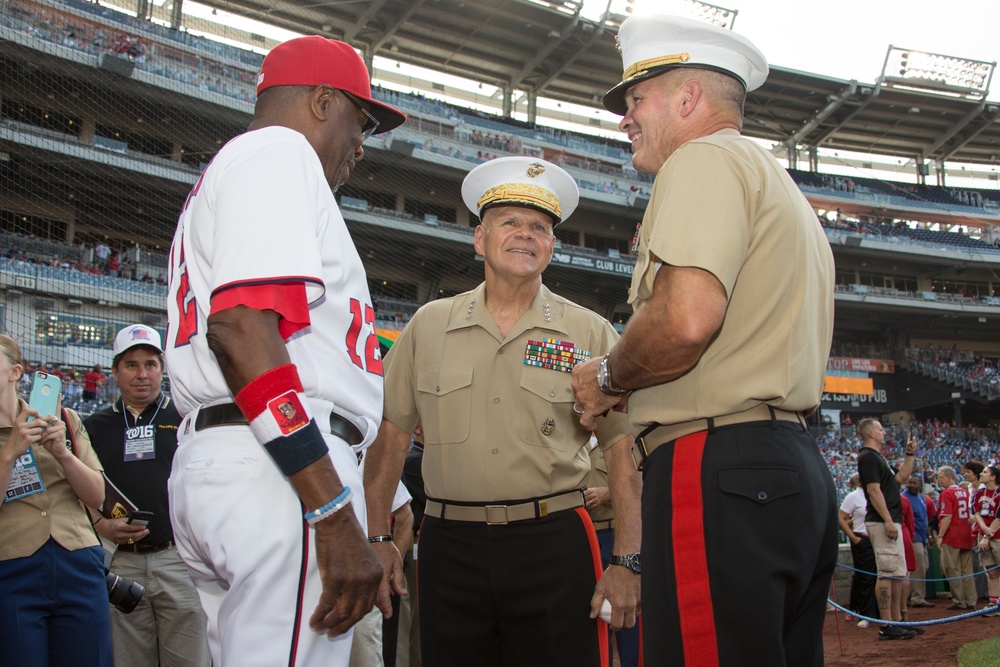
<point>640,68</point>
<point>522,193</point>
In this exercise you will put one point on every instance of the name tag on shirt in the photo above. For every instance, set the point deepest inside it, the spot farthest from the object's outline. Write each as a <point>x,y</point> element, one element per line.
<point>140,443</point>
<point>25,478</point>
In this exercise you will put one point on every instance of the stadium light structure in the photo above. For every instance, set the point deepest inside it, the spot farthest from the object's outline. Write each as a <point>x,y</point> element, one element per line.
<point>934,72</point>
<point>703,11</point>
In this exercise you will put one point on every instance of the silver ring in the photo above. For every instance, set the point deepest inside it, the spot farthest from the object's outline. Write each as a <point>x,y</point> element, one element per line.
<point>130,540</point>
<point>579,412</point>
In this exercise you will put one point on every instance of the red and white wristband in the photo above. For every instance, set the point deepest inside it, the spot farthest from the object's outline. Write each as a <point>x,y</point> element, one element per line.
<point>279,416</point>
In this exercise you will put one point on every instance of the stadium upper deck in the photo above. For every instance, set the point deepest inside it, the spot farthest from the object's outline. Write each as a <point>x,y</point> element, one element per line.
<point>88,155</point>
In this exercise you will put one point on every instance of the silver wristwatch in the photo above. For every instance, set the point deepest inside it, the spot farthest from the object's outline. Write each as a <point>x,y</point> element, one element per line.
<point>631,561</point>
<point>604,379</point>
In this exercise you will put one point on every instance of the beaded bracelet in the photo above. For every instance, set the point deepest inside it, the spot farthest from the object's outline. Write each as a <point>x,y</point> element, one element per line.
<point>380,538</point>
<point>331,508</point>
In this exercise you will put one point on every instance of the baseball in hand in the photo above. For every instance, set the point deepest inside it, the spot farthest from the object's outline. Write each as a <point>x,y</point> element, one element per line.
<point>606,611</point>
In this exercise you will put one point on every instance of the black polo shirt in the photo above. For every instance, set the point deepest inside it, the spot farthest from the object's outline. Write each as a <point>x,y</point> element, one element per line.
<point>144,482</point>
<point>872,467</point>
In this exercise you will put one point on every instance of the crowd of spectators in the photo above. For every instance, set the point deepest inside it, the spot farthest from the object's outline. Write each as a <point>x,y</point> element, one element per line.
<point>899,232</point>
<point>932,196</point>
<point>97,260</point>
<point>232,73</point>
<point>939,443</point>
<point>976,368</point>
<point>495,141</point>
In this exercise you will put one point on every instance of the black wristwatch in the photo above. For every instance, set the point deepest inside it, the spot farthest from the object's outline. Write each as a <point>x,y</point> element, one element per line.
<point>631,561</point>
<point>604,378</point>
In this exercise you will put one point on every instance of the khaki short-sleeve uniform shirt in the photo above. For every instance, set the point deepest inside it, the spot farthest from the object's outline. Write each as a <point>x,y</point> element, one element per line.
<point>723,204</point>
<point>495,428</point>
<point>599,477</point>
<point>27,523</point>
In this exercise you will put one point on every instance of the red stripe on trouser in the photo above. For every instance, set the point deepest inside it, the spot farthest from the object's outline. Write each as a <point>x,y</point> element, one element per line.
<point>638,621</point>
<point>303,572</point>
<point>694,595</point>
<point>595,554</point>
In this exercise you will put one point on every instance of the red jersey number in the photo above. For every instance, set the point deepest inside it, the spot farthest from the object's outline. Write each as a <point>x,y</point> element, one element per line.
<point>364,319</point>
<point>187,313</point>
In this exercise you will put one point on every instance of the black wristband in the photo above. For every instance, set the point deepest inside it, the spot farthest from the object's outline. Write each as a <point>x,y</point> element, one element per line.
<point>380,538</point>
<point>301,448</point>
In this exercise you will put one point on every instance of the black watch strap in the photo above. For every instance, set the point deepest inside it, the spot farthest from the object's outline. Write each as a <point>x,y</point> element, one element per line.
<point>630,561</point>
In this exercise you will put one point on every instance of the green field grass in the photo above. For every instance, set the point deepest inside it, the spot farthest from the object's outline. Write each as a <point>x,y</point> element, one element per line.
<point>980,654</point>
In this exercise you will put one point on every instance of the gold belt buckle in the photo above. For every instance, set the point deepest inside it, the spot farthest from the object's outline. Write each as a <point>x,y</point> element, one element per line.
<point>496,508</point>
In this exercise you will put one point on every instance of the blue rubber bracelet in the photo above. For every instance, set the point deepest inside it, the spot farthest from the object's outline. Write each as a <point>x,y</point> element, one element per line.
<point>330,508</point>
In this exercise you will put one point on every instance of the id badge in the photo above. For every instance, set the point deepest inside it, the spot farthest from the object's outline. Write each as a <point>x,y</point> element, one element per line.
<point>25,478</point>
<point>140,443</point>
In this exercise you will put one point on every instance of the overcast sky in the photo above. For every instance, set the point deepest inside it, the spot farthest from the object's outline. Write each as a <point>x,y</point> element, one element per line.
<point>848,39</point>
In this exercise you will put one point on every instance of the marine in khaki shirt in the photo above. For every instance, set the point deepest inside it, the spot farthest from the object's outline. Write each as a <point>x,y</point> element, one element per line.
<point>775,266</point>
<point>495,428</point>
<point>724,357</point>
<point>508,555</point>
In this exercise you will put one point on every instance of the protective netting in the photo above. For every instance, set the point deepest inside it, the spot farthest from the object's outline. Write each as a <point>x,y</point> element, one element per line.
<point>106,121</point>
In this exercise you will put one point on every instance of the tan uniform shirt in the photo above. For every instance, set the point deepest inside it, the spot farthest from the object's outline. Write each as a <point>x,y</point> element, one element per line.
<point>723,204</point>
<point>495,429</point>
<point>599,477</point>
<point>27,523</point>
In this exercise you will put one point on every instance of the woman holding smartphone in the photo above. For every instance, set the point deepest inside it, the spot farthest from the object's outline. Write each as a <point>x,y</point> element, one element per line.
<point>54,607</point>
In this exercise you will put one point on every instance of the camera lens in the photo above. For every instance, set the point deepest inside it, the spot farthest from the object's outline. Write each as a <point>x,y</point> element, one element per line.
<point>123,593</point>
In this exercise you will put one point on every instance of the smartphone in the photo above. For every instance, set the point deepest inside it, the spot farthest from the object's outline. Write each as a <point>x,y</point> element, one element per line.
<point>45,392</point>
<point>140,518</point>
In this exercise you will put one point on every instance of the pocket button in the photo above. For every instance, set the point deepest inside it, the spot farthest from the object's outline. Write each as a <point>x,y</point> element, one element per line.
<point>761,496</point>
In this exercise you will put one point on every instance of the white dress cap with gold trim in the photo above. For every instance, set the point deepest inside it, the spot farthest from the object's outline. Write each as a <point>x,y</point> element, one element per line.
<point>521,181</point>
<point>651,45</point>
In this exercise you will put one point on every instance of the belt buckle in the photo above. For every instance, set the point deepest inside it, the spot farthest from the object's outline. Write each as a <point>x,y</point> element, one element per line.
<point>640,445</point>
<point>496,508</point>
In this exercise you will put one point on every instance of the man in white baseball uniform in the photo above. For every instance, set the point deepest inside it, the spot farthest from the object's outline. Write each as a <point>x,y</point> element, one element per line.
<point>270,316</point>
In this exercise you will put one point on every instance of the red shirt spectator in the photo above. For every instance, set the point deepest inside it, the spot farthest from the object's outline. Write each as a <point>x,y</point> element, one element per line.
<point>92,380</point>
<point>909,526</point>
<point>954,502</point>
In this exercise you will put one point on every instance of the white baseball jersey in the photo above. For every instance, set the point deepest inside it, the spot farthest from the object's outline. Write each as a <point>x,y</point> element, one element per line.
<point>262,213</point>
<point>260,223</point>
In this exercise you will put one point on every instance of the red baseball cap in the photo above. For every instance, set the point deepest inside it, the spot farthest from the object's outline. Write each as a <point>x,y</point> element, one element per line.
<point>314,61</point>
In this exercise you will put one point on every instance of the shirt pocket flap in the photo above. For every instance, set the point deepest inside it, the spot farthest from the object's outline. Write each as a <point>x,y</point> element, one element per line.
<point>549,385</point>
<point>762,485</point>
<point>441,380</point>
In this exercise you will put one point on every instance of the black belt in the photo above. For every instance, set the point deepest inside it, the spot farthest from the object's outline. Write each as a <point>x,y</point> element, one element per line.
<point>228,414</point>
<point>142,548</point>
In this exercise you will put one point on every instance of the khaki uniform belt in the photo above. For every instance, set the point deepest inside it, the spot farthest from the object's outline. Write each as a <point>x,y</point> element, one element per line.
<point>658,434</point>
<point>499,515</point>
<point>607,524</point>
